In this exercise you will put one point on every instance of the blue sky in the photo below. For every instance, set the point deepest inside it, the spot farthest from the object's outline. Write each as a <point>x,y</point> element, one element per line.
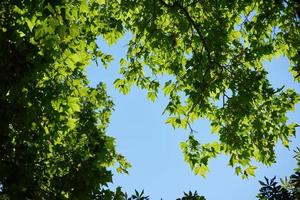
<point>152,147</point>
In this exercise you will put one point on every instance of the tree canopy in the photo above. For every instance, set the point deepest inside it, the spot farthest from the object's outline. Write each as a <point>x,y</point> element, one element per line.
<point>53,140</point>
<point>213,52</point>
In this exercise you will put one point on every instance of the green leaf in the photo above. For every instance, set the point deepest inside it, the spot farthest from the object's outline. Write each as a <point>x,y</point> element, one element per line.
<point>50,8</point>
<point>152,96</point>
<point>112,37</point>
<point>238,170</point>
<point>21,34</point>
<point>106,59</point>
<point>74,106</point>
<point>168,88</point>
<point>285,143</point>
<point>72,123</point>
<point>101,1</point>
<point>201,170</point>
<point>215,128</point>
<point>174,121</point>
<point>251,170</point>
<point>31,22</point>
<point>19,10</point>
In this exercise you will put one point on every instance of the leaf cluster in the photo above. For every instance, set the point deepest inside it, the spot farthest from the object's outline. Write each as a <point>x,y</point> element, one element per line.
<point>288,190</point>
<point>212,53</point>
<point>53,124</point>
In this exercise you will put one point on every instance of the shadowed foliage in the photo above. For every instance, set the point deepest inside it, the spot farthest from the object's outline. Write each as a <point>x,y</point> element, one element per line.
<point>288,190</point>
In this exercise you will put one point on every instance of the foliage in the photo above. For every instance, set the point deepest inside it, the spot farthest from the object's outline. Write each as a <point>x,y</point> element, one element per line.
<point>270,190</point>
<point>53,143</point>
<point>288,190</point>
<point>191,196</point>
<point>138,196</point>
<point>213,54</point>
<point>187,196</point>
<point>141,196</point>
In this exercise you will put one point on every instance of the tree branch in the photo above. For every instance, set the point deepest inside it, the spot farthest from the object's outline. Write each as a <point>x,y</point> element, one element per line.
<point>192,22</point>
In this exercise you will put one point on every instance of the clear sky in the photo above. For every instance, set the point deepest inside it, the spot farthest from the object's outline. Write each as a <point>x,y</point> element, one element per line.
<point>152,147</point>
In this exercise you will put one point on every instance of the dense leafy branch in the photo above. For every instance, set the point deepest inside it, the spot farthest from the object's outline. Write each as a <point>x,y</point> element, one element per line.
<point>223,62</point>
<point>191,21</point>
